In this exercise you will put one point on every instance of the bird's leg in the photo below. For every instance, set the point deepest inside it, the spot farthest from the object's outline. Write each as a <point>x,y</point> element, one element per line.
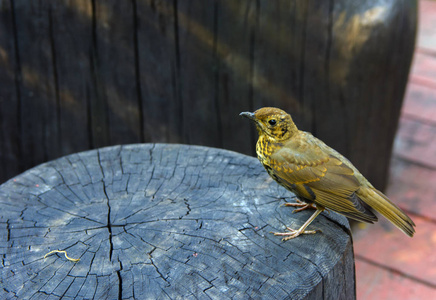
<point>294,233</point>
<point>302,205</point>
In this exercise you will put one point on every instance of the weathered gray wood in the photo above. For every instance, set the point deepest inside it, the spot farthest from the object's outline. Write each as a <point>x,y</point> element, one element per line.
<point>83,74</point>
<point>160,221</point>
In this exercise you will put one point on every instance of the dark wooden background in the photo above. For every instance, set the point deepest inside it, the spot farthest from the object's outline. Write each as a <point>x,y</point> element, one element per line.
<point>82,74</point>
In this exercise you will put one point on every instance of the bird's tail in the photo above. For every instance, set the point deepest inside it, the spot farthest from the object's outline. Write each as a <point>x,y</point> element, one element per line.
<point>378,201</point>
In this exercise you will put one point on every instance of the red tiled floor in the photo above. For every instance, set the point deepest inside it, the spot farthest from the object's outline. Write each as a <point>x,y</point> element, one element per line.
<point>410,187</point>
<point>389,265</point>
<point>387,285</point>
<point>393,250</point>
<point>416,142</point>
<point>427,25</point>
<point>424,67</point>
<point>420,100</point>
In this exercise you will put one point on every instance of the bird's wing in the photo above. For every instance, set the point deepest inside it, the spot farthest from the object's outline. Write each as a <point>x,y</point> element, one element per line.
<point>320,177</point>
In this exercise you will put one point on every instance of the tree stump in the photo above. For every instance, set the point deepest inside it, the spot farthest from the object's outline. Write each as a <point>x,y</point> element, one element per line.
<point>162,221</point>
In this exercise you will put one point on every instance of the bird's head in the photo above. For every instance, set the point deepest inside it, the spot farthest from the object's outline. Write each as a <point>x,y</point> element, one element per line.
<point>273,122</point>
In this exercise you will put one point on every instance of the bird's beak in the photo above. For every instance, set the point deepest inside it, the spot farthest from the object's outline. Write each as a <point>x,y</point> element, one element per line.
<point>248,115</point>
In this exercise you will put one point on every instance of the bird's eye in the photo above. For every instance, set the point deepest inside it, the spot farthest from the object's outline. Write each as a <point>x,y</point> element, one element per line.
<point>272,122</point>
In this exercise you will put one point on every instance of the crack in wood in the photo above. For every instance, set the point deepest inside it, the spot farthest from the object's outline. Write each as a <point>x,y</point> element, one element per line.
<point>109,224</point>
<point>150,257</point>
<point>120,282</point>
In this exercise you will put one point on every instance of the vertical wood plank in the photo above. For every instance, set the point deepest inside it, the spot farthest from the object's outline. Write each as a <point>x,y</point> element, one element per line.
<point>38,102</point>
<point>233,91</point>
<point>195,23</point>
<point>158,70</point>
<point>10,139</point>
<point>367,58</point>
<point>71,44</point>
<point>115,64</point>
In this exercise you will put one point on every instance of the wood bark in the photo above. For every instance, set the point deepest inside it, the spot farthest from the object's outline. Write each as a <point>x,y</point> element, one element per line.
<point>84,74</point>
<point>162,221</point>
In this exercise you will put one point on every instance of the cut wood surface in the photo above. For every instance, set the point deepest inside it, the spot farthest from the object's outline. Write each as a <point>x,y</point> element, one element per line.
<point>161,221</point>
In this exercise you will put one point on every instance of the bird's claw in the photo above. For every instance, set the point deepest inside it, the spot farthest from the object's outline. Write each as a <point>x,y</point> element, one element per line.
<point>293,233</point>
<point>302,206</point>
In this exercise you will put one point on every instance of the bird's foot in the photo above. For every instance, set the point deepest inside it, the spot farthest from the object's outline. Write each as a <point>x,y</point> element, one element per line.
<point>293,233</point>
<point>302,206</point>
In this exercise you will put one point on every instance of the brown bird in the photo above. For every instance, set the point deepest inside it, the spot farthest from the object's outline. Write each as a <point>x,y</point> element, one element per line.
<point>319,176</point>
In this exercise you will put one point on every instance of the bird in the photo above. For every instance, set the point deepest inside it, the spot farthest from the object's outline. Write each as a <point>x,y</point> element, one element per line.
<point>318,175</point>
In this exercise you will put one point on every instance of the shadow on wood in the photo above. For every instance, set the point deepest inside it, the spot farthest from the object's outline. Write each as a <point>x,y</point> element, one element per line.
<point>158,221</point>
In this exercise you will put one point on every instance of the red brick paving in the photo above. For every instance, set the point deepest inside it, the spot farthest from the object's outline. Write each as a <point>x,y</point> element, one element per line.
<point>386,246</point>
<point>387,285</point>
<point>416,142</point>
<point>389,265</point>
<point>427,25</point>
<point>411,188</point>
<point>424,66</point>
<point>420,100</point>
